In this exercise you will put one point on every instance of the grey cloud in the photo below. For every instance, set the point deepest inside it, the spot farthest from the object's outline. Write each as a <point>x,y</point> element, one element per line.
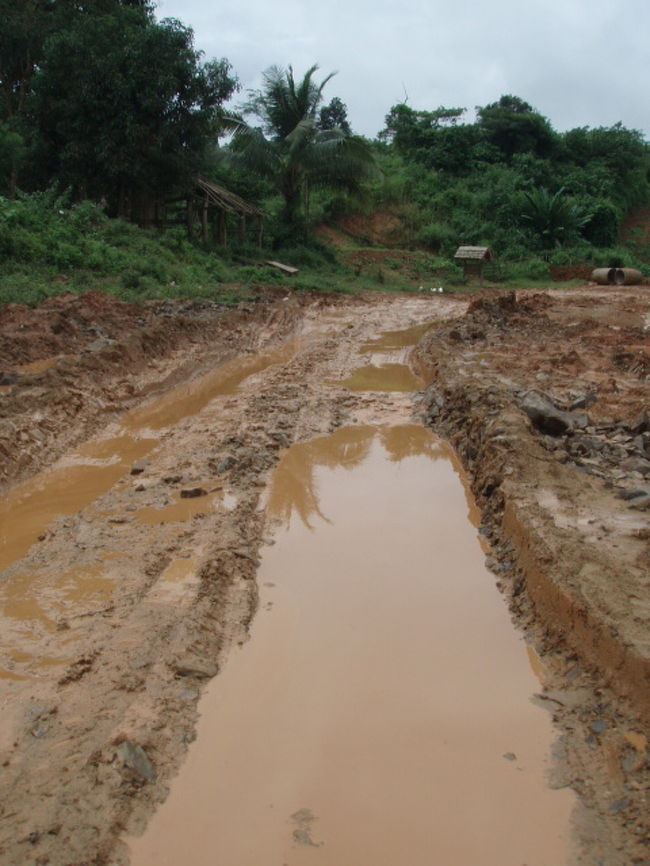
<point>580,62</point>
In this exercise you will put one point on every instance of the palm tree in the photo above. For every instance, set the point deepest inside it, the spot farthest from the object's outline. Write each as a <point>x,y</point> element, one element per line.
<point>289,149</point>
<point>554,218</point>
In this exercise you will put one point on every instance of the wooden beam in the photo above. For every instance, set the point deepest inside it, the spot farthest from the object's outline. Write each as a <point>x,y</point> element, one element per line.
<point>286,269</point>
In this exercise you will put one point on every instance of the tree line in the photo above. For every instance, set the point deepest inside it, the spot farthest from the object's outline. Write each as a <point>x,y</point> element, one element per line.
<point>104,100</point>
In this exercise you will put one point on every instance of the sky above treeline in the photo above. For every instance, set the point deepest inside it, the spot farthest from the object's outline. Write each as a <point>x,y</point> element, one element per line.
<point>578,62</point>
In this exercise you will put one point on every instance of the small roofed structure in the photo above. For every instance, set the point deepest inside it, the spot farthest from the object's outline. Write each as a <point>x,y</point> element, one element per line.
<point>474,260</point>
<point>213,196</point>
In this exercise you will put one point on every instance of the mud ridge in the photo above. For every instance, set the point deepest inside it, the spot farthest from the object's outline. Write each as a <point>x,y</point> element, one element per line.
<point>45,413</point>
<point>570,554</point>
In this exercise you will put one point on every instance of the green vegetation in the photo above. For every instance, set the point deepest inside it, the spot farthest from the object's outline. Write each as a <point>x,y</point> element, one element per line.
<point>292,151</point>
<point>107,115</point>
<point>510,181</point>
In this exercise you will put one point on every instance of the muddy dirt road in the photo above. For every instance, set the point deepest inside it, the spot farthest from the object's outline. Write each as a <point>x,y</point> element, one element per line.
<point>129,562</point>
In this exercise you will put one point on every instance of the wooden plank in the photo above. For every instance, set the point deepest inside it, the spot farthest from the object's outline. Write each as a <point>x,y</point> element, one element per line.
<point>286,269</point>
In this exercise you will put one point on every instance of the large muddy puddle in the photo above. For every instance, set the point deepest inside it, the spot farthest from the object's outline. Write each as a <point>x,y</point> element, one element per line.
<point>380,712</point>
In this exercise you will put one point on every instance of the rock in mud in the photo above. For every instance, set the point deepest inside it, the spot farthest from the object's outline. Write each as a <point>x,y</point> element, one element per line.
<point>139,467</point>
<point>193,492</point>
<point>547,418</point>
<point>226,464</point>
<point>192,667</point>
<point>135,759</point>
<point>641,423</point>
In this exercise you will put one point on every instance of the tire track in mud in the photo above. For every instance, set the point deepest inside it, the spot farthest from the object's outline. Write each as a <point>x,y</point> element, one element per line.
<point>93,734</point>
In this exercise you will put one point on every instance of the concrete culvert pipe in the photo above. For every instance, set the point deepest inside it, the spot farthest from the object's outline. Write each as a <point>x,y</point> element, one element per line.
<point>604,276</point>
<point>628,277</point>
<point>616,276</point>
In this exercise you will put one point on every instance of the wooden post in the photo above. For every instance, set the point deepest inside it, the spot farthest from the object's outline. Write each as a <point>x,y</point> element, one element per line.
<point>204,220</point>
<point>260,230</point>
<point>242,228</point>
<point>221,228</point>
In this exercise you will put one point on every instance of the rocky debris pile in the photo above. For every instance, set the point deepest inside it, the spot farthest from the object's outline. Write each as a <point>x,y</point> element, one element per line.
<point>618,452</point>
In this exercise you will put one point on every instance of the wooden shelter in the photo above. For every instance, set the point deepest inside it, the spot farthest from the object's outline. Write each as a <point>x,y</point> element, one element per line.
<point>474,260</point>
<point>212,198</point>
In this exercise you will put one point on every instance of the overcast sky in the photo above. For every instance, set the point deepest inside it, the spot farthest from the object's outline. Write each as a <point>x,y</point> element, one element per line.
<point>578,62</point>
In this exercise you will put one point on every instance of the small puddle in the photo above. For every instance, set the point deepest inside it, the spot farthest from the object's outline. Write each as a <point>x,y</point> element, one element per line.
<point>189,399</point>
<point>385,377</point>
<point>380,712</point>
<point>395,375</point>
<point>30,508</point>
<point>177,584</point>
<point>179,510</point>
<point>391,341</point>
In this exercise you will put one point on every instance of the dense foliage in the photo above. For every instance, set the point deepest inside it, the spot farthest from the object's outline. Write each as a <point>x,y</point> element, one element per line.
<point>103,99</point>
<point>509,180</point>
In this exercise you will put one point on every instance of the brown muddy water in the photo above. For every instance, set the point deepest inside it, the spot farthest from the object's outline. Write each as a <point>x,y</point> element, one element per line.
<point>380,712</point>
<point>383,375</point>
<point>82,477</point>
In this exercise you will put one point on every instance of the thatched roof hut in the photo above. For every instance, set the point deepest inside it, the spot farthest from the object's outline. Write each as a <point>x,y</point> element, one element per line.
<point>213,195</point>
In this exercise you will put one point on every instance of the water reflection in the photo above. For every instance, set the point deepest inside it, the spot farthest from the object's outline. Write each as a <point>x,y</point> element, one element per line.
<point>295,488</point>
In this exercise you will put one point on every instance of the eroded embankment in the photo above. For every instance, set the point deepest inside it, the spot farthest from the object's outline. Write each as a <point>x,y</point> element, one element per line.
<point>97,356</point>
<point>570,553</point>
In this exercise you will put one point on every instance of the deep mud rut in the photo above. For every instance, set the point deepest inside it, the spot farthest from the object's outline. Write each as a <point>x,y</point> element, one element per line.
<point>129,565</point>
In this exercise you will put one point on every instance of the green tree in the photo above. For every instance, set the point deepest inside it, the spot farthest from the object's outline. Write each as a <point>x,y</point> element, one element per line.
<point>124,107</point>
<point>514,126</point>
<point>334,116</point>
<point>290,150</point>
<point>434,138</point>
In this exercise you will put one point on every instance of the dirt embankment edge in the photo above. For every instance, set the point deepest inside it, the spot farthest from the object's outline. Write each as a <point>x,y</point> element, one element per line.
<point>49,412</point>
<point>560,538</point>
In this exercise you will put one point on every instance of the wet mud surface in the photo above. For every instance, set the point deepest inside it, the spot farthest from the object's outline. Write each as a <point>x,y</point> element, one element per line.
<point>129,563</point>
<point>381,680</point>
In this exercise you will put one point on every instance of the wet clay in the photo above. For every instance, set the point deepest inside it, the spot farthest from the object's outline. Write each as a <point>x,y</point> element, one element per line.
<point>380,712</point>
